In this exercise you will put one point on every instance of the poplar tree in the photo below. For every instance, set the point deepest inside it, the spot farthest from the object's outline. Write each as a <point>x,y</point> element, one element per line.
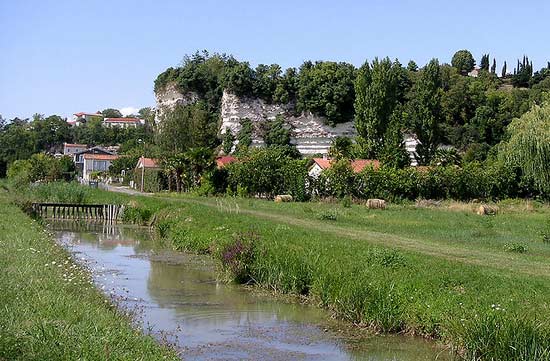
<point>425,113</point>
<point>484,64</point>
<point>377,92</point>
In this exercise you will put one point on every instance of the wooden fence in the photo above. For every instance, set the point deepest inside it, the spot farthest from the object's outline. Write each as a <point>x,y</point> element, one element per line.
<point>105,212</point>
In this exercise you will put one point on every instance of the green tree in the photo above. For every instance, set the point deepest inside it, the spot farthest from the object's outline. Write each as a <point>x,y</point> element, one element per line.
<point>287,87</point>
<point>424,111</point>
<point>377,96</point>
<point>503,72</point>
<point>111,113</point>
<point>239,79</point>
<point>244,136</point>
<point>529,146</point>
<point>411,66</point>
<point>494,66</point>
<point>523,73</point>
<point>326,89</point>
<point>186,127</point>
<point>266,80</point>
<point>228,141</point>
<point>51,132</point>
<point>148,115</point>
<point>463,61</point>
<point>276,133</point>
<point>341,147</point>
<point>484,63</point>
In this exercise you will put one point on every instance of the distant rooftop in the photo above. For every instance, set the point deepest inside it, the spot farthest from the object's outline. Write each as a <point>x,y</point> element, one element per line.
<point>127,120</point>
<point>81,114</point>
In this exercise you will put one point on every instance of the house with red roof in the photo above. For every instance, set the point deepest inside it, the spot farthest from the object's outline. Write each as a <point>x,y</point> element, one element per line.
<point>122,122</point>
<point>222,161</point>
<point>96,163</point>
<point>83,117</point>
<point>321,164</point>
<point>147,163</point>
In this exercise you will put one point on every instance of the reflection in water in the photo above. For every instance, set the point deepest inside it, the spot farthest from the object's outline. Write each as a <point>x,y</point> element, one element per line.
<point>178,295</point>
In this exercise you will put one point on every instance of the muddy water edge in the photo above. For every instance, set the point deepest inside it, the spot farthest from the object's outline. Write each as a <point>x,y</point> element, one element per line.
<point>177,298</point>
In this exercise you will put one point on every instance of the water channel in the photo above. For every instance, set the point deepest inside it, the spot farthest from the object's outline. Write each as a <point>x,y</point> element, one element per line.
<point>178,299</point>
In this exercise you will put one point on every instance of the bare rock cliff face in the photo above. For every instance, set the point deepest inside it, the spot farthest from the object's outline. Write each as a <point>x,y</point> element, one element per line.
<point>309,132</point>
<point>169,97</point>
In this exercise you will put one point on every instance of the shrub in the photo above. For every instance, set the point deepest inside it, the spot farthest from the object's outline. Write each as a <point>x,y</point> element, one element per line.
<point>328,215</point>
<point>136,215</point>
<point>346,202</point>
<point>237,256</point>
<point>515,247</point>
<point>546,233</point>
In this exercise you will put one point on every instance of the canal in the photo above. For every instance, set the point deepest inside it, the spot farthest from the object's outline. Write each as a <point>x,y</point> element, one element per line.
<point>177,298</point>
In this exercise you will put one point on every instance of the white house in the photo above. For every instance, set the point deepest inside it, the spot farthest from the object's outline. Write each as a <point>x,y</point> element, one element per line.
<point>71,149</point>
<point>122,122</point>
<point>83,117</point>
<point>321,164</point>
<point>96,163</point>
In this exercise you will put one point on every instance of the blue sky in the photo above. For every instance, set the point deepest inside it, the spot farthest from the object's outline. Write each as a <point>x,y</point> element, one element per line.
<point>61,57</point>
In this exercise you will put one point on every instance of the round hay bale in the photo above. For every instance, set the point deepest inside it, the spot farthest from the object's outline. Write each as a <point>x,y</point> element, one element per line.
<point>487,210</point>
<point>283,198</point>
<point>374,203</point>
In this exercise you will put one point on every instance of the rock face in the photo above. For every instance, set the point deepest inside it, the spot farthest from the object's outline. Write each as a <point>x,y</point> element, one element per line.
<point>309,132</point>
<point>169,97</point>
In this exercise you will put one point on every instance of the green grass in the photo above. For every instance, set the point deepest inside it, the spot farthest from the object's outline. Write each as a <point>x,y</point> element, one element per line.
<point>49,309</point>
<point>444,273</point>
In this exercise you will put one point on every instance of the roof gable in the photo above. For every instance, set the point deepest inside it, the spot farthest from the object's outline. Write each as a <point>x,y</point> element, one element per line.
<point>357,165</point>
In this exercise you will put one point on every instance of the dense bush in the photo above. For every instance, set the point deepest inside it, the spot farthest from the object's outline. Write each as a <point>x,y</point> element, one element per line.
<point>58,192</point>
<point>40,167</point>
<point>474,180</point>
<point>268,172</point>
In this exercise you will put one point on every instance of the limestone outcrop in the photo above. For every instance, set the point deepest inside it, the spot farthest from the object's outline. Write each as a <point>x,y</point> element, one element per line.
<point>310,133</point>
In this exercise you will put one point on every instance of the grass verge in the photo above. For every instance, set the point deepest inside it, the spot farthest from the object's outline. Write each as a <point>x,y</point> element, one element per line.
<point>50,309</point>
<point>443,273</point>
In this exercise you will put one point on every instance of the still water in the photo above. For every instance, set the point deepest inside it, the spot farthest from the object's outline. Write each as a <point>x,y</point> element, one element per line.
<point>178,299</point>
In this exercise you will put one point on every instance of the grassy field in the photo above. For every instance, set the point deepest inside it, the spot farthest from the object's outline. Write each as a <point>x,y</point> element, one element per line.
<point>49,309</point>
<point>478,283</point>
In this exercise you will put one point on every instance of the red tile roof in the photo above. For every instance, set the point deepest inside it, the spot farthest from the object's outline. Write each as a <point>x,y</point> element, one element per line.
<point>147,163</point>
<point>84,113</point>
<point>357,165</point>
<point>132,120</point>
<point>100,156</point>
<point>225,160</point>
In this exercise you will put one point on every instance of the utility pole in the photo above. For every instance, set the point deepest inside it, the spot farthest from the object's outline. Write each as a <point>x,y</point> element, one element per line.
<point>142,172</point>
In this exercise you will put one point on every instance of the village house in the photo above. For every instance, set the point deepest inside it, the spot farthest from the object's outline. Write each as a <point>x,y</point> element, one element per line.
<point>321,164</point>
<point>71,149</point>
<point>143,165</point>
<point>78,157</point>
<point>83,117</point>
<point>96,163</point>
<point>224,160</point>
<point>122,122</point>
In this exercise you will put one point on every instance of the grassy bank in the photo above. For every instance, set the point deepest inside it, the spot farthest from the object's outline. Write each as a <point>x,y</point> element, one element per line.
<point>479,283</point>
<point>49,307</point>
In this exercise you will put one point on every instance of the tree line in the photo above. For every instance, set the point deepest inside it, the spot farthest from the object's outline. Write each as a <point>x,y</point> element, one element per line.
<point>439,103</point>
<point>21,138</point>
